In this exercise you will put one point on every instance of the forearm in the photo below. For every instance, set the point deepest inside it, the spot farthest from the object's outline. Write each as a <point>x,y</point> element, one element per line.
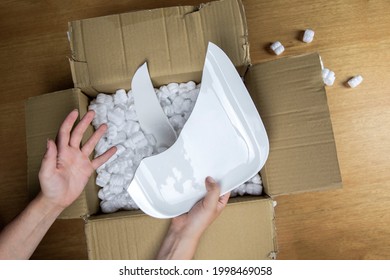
<point>20,238</point>
<point>178,246</point>
<point>186,230</point>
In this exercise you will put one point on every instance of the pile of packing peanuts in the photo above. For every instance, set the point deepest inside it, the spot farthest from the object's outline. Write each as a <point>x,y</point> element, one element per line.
<point>119,113</point>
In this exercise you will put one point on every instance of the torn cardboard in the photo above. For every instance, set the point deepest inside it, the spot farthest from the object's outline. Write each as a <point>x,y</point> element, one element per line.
<point>288,93</point>
<point>106,51</point>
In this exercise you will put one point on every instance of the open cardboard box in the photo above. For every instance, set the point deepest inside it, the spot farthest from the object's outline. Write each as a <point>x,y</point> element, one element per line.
<point>288,93</point>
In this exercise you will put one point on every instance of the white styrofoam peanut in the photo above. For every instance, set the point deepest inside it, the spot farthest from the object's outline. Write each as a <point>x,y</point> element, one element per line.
<point>277,47</point>
<point>308,36</point>
<point>328,76</point>
<point>355,81</point>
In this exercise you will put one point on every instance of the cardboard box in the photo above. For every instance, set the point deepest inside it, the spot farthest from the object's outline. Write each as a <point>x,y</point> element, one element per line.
<point>288,92</point>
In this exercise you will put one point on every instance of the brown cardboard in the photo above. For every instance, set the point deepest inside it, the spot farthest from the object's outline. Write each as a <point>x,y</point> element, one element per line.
<point>290,97</point>
<point>288,93</point>
<point>139,236</point>
<point>106,51</point>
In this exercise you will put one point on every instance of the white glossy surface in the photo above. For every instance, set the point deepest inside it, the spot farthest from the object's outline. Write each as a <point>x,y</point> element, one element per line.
<point>224,138</point>
<point>150,115</point>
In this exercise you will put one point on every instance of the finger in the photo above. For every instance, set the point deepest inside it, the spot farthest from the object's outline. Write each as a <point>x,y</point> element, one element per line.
<point>223,199</point>
<point>103,157</point>
<point>49,161</point>
<point>213,191</point>
<point>80,128</point>
<point>65,128</point>
<point>91,143</point>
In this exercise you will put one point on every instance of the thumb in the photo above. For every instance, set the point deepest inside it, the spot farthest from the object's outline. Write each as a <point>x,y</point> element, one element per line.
<point>213,192</point>
<point>49,161</point>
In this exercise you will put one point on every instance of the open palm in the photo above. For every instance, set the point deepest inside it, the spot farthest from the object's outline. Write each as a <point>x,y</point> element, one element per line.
<point>66,166</point>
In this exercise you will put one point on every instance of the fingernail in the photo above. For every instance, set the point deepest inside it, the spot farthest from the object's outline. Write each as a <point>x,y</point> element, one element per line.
<point>47,143</point>
<point>210,180</point>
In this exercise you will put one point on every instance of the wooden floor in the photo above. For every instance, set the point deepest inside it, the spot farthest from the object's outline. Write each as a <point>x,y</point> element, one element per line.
<point>352,36</point>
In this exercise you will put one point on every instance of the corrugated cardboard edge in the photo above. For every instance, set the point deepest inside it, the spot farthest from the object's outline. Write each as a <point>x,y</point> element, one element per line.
<point>246,45</point>
<point>290,96</point>
<point>81,75</point>
<point>44,115</point>
<point>81,70</point>
<point>273,254</point>
<point>133,235</point>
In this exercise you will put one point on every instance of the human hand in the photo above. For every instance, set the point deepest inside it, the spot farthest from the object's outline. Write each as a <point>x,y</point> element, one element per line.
<point>66,166</point>
<point>204,212</point>
<point>185,230</point>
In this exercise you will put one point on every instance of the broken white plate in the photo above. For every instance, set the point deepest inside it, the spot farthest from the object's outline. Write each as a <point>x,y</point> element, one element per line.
<point>150,115</point>
<point>223,138</point>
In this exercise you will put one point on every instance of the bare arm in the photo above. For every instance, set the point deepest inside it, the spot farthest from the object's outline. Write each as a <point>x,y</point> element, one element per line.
<point>185,231</point>
<point>19,239</point>
<point>64,172</point>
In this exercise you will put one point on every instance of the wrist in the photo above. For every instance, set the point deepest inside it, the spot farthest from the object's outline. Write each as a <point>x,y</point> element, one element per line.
<point>178,244</point>
<point>185,228</point>
<point>48,206</point>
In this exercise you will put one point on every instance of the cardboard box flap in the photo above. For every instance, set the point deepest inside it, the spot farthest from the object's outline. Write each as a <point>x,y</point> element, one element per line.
<point>106,51</point>
<point>248,222</point>
<point>44,115</point>
<point>290,97</point>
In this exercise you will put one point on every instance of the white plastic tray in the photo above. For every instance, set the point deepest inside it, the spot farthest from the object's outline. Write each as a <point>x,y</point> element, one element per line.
<point>224,138</point>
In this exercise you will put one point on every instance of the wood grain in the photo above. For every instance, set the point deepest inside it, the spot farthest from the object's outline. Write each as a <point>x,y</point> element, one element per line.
<point>351,36</point>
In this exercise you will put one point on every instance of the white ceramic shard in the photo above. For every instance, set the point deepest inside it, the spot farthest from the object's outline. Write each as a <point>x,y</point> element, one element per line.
<point>151,116</point>
<point>224,137</point>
